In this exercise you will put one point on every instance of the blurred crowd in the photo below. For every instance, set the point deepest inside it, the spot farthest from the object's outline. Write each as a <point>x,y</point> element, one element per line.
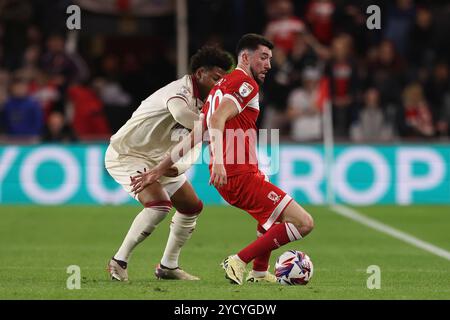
<point>381,85</point>
<point>384,85</point>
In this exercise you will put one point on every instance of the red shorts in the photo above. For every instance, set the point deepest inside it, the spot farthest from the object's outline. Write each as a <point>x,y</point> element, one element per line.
<point>254,193</point>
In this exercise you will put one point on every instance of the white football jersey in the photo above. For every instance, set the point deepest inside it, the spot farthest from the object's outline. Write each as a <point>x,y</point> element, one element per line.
<point>152,131</point>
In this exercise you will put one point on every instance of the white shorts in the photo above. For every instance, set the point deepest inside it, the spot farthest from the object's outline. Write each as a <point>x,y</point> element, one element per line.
<point>121,167</point>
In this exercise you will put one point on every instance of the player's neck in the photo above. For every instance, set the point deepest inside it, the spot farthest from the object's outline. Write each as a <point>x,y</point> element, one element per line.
<point>245,69</point>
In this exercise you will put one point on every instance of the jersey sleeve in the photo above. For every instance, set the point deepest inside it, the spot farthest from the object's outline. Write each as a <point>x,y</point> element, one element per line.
<point>182,92</point>
<point>178,105</point>
<point>241,91</point>
<point>181,113</point>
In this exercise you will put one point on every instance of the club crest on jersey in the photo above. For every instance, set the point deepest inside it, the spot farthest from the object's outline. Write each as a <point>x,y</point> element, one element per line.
<point>184,92</point>
<point>245,89</point>
<point>273,196</point>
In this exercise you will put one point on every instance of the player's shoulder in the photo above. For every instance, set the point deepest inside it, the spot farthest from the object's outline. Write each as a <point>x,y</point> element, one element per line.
<point>239,75</point>
<point>240,81</point>
<point>182,87</point>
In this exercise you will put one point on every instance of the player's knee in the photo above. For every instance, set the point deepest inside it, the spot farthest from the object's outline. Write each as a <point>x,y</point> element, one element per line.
<point>307,224</point>
<point>162,206</point>
<point>194,209</point>
<point>304,224</point>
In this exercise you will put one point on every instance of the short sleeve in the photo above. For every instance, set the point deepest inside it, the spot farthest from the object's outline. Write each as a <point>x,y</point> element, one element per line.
<point>183,93</point>
<point>241,91</point>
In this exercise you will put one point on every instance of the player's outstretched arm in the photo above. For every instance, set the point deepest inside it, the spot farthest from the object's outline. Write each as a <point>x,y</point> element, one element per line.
<point>144,179</point>
<point>225,111</point>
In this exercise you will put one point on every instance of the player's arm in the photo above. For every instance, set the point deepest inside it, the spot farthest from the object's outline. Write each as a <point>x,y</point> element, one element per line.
<point>179,109</point>
<point>141,181</point>
<point>226,110</point>
<point>185,162</point>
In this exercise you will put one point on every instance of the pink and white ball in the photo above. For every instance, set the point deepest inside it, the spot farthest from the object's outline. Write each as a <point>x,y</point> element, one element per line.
<point>293,268</point>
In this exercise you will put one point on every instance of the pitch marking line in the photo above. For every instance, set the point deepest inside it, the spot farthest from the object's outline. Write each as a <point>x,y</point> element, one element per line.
<point>371,223</point>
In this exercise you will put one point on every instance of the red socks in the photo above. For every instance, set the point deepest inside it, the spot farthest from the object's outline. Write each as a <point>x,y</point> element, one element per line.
<point>261,263</point>
<point>275,237</point>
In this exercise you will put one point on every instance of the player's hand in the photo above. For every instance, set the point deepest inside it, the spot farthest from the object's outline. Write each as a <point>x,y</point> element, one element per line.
<point>218,175</point>
<point>144,179</point>
<point>171,172</point>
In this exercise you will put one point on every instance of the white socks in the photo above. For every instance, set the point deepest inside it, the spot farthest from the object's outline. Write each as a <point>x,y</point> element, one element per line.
<point>259,274</point>
<point>181,230</point>
<point>142,226</point>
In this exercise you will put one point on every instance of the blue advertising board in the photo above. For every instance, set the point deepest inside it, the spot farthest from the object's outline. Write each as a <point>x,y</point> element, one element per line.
<point>360,174</point>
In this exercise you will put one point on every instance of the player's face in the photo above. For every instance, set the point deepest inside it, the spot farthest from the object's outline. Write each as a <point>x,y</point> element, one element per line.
<point>260,63</point>
<point>207,78</point>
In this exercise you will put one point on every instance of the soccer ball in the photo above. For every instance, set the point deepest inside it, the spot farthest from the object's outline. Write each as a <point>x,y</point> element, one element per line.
<point>293,268</point>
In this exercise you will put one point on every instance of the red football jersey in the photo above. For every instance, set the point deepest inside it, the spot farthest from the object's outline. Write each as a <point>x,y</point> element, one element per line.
<point>240,135</point>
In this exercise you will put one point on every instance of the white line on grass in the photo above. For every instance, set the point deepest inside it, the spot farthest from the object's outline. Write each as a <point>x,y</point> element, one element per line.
<point>371,223</point>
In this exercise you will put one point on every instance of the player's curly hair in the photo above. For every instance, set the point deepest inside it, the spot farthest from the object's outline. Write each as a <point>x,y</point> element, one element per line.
<point>211,56</point>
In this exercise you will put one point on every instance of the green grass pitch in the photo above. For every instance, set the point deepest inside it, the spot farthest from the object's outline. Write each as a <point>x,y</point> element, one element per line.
<point>38,243</point>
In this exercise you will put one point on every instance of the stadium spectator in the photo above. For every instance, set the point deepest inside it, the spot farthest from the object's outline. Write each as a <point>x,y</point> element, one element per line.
<point>416,120</point>
<point>4,79</point>
<point>399,22</point>
<point>284,24</point>
<point>386,73</point>
<point>412,40</point>
<point>350,17</point>
<point>115,100</point>
<point>34,35</point>
<point>303,108</point>
<point>443,124</point>
<point>437,91</point>
<point>15,17</point>
<point>55,61</point>
<point>307,52</point>
<point>341,70</point>
<point>371,125</point>
<point>422,39</point>
<point>277,87</point>
<point>30,62</point>
<point>89,120</point>
<point>319,15</point>
<point>45,90</point>
<point>57,129</point>
<point>22,114</point>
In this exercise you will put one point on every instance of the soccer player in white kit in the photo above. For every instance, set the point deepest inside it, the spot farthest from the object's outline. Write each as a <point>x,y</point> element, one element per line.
<point>143,141</point>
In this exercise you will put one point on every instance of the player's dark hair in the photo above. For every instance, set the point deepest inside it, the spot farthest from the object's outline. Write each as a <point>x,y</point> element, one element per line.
<point>209,57</point>
<point>251,41</point>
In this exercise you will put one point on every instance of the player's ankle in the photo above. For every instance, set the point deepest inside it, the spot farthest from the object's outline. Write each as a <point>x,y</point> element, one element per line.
<point>167,268</point>
<point>121,263</point>
<point>259,274</point>
<point>236,256</point>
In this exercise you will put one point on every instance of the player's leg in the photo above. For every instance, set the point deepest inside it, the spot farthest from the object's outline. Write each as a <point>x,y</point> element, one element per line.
<point>295,214</point>
<point>260,271</point>
<point>284,220</point>
<point>184,220</point>
<point>157,205</point>
<point>295,223</point>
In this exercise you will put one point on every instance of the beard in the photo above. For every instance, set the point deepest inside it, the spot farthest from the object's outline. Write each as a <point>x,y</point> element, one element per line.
<point>255,76</point>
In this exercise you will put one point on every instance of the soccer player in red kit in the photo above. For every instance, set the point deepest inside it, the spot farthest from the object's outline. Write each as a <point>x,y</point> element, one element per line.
<point>231,112</point>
